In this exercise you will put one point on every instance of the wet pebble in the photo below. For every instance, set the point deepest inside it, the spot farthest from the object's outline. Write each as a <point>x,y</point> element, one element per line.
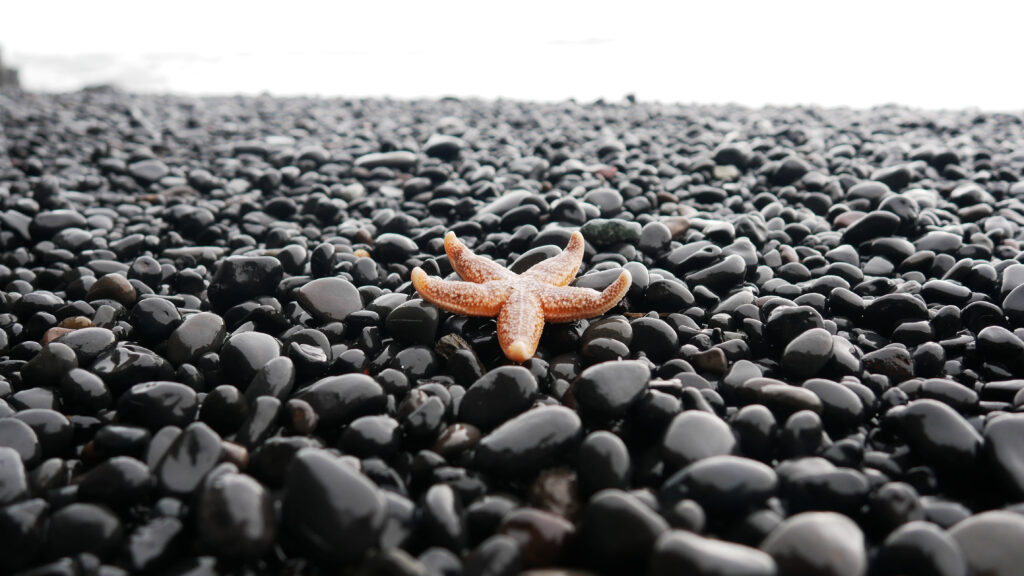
<point>332,510</point>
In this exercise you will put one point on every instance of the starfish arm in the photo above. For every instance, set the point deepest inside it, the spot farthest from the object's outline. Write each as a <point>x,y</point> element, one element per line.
<point>567,303</point>
<point>461,297</point>
<point>561,269</point>
<point>469,266</point>
<point>520,325</point>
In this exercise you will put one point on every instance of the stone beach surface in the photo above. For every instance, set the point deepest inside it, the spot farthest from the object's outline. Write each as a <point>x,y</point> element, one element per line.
<point>212,360</point>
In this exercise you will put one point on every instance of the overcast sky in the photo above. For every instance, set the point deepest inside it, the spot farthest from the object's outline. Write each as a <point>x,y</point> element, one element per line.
<point>923,54</point>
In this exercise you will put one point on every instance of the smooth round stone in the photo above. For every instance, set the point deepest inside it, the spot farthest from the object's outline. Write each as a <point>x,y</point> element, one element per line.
<point>787,322</point>
<point>13,482</point>
<point>886,312</point>
<point>601,233</point>
<point>23,527</point>
<point>444,146</point>
<point>414,322</point>
<point>756,431</point>
<point>89,343</point>
<point>113,287</point>
<point>188,460</point>
<point>52,428</point>
<point>784,400</point>
<point>276,378</point>
<point>154,319</point>
<point>789,170</point>
<point>655,238</point>
<point>841,408</point>
<point>48,366</point>
<point>198,334</point>
<point>20,437</point>
<point>613,328</point>
<point>998,343</point>
<point>607,390</point>
<point>148,170</point>
<point>894,362</point>
<point>921,548</point>
<point>332,511</point>
<point>820,543</point>
<point>241,278</point>
<point>441,518</point>
<point>960,397</point>
<point>1013,306</point>
<point>808,353</point>
<point>329,299</point>
<point>681,552</point>
<point>694,435</point>
<point>157,404</point>
<point>604,350</point>
<point>127,364</point>
<point>619,531</point>
<point>722,276</point>
<point>992,543</point>
<point>842,489</point>
<point>224,409</point>
<point>660,341</point>
<point>120,481</point>
<point>497,396</point>
<point>608,200</point>
<point>945,292</point>
<point>236,517</point>
<point>417,362</point>
<point>938,241</point>
<point>665,295</point>
<point>873,225</point>
<point>531,440</point>
<point>372,436</point>
<point>392,247</point>
<point>939,434</point>
<point>603,462</point>
<point>1005,452</point>
<point>337,400</point>
<point>722,484</point>
<point>47,224</point>
<point>244,353</point>
<point>78,528</point>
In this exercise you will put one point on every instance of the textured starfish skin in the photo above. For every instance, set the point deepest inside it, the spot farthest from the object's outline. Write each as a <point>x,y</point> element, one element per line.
<point>522,302</point>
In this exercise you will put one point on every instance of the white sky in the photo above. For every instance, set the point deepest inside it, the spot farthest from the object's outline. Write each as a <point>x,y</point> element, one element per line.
<point>855,53</point>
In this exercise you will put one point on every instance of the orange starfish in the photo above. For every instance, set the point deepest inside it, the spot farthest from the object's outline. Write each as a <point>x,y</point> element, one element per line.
<point>522,302</point>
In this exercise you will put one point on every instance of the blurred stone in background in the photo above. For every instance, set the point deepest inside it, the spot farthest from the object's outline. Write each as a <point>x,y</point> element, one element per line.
<point>8,76</point>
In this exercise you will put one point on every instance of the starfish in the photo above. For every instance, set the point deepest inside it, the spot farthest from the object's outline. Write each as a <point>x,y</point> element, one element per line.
<point>522,302</point>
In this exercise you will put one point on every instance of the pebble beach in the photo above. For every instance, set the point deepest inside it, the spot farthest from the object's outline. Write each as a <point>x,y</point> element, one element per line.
<point>213,360</point>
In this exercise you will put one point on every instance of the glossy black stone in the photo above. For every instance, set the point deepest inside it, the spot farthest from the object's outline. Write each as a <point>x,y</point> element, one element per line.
<point>619,530</point>
<point>722,484</point>
<point>694,435</point>
<point>236,517</point>
<point>158,404</point>
<point>333,511</point>
<point>196,335</point>
<point>680,552</point>
<point>533,439</point>
<point>498,396</point>
<point>191,456</point>
<point>607,390</point>
<point>338,400</point>
<point>939,433</point>
<point>818,542</point>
